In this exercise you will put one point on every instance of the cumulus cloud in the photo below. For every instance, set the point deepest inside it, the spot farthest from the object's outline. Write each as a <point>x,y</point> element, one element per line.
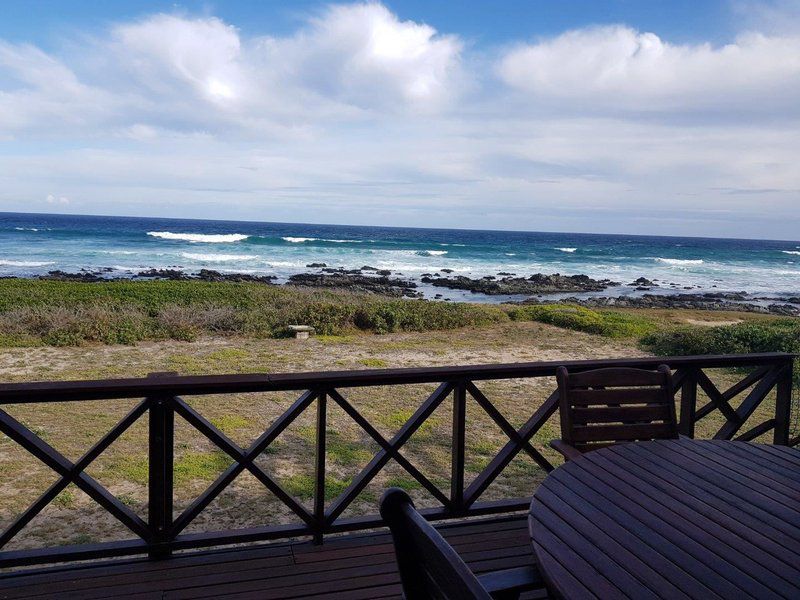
<point>621,68</point>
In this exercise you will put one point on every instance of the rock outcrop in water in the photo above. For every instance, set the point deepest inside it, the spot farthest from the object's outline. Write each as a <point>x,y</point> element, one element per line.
<point>535,284</point>
<point>354,281</point>
<point>714,301</point>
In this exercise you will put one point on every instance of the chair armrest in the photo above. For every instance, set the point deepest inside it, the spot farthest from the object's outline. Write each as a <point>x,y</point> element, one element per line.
<point>567,451</point>
<point>509,583</point>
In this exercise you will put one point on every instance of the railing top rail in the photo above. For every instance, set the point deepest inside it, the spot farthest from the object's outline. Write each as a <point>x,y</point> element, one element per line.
<point>62,391</point>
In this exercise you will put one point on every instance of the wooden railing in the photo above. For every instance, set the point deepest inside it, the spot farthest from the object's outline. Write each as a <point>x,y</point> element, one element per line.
<point>164,532</point>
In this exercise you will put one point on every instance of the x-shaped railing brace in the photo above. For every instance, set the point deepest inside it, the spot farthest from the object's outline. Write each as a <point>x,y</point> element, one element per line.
<point>73,473</point>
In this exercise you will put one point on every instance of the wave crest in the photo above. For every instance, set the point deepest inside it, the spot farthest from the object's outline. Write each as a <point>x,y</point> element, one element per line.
<point>794,252</point>
<point>679,261</point>
<point>24,263</point>
<point>217,257</point>
<point>300,240</point>
<point>206,238</point>
<point>570,250</point>
<point>431,252</point>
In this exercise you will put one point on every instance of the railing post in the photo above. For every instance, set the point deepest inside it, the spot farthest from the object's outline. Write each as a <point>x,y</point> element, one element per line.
<point>783,405</point>
<point>319,472</point>
<point>161,471</point>
<point>458,446</point>
<point>688,403</point>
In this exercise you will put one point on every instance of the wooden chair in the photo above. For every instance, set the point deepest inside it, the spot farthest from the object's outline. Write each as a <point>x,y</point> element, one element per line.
<point>603,407</point>
<point>431,569</point>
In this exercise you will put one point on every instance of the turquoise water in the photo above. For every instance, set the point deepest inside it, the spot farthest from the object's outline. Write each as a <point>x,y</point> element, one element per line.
<point>32,244</point>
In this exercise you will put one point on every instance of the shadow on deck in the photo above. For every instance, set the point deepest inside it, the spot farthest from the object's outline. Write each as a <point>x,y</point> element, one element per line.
<point>351,566</point>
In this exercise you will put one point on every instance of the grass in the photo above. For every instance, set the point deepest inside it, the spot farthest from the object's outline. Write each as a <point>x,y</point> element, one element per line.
<point>66,313</point>
<point>608,323</point>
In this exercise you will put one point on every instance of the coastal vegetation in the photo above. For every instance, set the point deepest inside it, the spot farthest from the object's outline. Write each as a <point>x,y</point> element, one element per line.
<point>68,313</point>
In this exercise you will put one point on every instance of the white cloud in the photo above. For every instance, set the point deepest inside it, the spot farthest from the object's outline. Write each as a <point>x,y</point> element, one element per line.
<point>51,199</point>
<point>618,68</point>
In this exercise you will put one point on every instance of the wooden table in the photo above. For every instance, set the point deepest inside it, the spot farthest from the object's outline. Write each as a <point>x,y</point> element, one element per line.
<point>672,519</point>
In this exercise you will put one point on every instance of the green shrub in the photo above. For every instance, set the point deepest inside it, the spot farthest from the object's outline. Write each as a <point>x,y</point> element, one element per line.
<point>607,323</point>
<point>779,335</point>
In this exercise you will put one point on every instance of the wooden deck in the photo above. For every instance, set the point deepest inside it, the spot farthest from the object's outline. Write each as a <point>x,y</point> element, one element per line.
<point>352,566</point>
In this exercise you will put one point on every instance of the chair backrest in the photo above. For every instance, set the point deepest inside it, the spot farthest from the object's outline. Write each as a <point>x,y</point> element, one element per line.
<point>429,567</point>
<point>605,406</point>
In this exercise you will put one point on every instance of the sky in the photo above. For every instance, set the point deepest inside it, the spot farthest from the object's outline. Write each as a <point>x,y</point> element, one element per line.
<point>625,116</point>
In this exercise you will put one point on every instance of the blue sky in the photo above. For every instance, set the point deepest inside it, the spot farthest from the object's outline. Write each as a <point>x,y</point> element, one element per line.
<point>622,116</point>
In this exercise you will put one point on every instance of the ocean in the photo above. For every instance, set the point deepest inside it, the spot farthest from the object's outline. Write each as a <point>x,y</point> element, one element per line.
<point>33,244</point>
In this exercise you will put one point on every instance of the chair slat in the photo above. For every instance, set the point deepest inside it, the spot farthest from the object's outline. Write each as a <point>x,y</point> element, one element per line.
<point>621,414</point>
<point>646,431</point>
<point>618,396</point>
<point>616,376</point>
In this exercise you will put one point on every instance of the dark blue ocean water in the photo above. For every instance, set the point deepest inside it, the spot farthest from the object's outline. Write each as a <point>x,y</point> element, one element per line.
<point>32,244</point>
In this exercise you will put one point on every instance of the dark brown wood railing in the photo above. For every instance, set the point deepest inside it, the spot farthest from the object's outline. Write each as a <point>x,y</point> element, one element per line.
<point>163,532</point>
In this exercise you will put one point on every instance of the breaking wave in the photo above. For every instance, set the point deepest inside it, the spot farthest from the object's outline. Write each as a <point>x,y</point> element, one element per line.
<point>679,261</point>
<point>300,240</point>
<point>207,238</point>
<point>24,263</point>
<point>217,257</point>
<point>570,250</point>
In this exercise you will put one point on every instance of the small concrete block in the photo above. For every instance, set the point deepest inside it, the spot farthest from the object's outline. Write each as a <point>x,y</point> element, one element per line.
<point>301,332</point>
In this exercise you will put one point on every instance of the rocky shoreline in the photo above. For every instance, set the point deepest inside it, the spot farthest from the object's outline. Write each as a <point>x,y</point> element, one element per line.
<point>372,280</point>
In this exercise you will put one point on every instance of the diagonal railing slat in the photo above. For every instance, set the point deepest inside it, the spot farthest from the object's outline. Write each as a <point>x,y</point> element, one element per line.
<point>244,458</point>
<point>82,464</point>
<point>383,456</point>
<point>388,447</point>
<point>510,450</point>
<point>66,469</point>
<point>256,448</point>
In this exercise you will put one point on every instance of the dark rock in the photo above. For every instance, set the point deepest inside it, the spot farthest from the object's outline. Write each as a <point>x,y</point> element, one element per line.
<point>384,272</point>
<point>209,275</point>
<point>368,268</point>
<point>715,301</point>
<point>643,281</point>
<point>356,282</point>
<point>59,275</point>
<point>171,274</point>
<point>316,265</point>
<point>535,284</point>
<point>505,274</point>
<point>446,270</point>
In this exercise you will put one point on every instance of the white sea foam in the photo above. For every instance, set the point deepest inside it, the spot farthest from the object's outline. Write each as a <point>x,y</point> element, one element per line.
<point>217,257</point>
<point>298,240</point>
<point>511,253</point>
<point>125,252</point>
<point>432,252</point>
<point>26,228</point>
<point>679,261</point>
<point>570,250</point>
<point>207,238</point>
<point>24,263</point>
<point>795,252</point>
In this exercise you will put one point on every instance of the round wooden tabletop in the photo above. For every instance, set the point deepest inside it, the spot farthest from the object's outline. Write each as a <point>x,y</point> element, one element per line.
<point>672,519</point>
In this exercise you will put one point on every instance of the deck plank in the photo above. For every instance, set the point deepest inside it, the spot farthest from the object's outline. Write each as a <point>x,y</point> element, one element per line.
<point>347,567</point>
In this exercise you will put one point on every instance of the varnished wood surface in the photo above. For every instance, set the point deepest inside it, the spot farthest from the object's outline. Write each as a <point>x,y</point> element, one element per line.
<point>672,519</point>
<point>352,567</point>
